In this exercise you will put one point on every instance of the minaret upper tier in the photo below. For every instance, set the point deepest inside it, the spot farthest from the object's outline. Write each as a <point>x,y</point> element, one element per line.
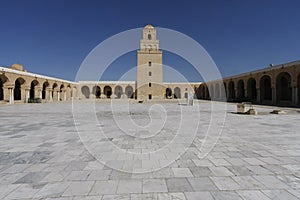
<point>149,41</point>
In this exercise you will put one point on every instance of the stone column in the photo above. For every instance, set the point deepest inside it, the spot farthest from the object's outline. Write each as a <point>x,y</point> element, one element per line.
<point>48,96</point>
<point>23,93</point>
<point>68,96</point>
<point>37,92</point>
<point>11,95</point>
<point>27,94</point>
<point>8,93</point>
<point>55,95</point>
<point>58,95</point>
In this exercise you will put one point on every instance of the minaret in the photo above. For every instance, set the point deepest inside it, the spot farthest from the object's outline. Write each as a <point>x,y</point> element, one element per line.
<point>149,67</point>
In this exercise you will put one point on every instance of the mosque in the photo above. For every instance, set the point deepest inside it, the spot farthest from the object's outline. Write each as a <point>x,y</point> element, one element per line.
<point>274,85</point>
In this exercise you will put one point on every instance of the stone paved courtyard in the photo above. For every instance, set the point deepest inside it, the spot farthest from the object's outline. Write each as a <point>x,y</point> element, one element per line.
<point>43,157</point>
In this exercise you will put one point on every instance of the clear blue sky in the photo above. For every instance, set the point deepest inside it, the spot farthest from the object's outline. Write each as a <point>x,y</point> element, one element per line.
<point>53,37</point>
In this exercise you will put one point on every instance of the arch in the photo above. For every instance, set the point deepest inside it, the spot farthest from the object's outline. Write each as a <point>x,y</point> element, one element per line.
<point>85,91</point>
<point>33,84</point>
<point>168,93</point>
<point>231,91</point>
<point>149,36</point>
<point>3,79</point>
<point>177,93</point>
<point>69,92</point>
<point>1,90</point>
<point>107,91</point>
<point>217,91</point>
<point>283,87</point>
<point>61,92</point>
<point>97,91</point>
<point>45,85</point>
<point>17,89</point>
<point>54,86</point>
<point>265,88</point>
<point>129,91</point>
<point>251,89</point>
<point>118,91</point>
<point>240,90</point>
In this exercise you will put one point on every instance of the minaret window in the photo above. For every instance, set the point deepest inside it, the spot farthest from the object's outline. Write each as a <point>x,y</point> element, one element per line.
<point>149,37</point>
<point>149,64</point>
<point>149,84</point>
<point>150,73</point>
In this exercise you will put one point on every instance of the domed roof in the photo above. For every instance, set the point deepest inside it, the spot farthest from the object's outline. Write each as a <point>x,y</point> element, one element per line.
<point>149,26</point>
<point>17,67</point>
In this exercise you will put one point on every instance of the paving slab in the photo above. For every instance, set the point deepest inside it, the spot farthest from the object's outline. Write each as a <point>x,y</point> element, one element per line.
<point>43,156</point>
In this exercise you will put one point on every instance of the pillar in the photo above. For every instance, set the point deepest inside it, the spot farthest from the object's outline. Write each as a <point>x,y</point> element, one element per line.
<point>8,93</point>
<point>68,95</point>
<point>23,93</point>
<point>27,94</point>
<point>11,95</point>
<point>58,95</point>
<point>49,94</point>
<point>37,92</point>
<point>55,95</point>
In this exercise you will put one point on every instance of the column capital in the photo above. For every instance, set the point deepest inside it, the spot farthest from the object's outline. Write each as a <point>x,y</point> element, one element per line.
<point>8,86</point>
<point>49,89</point>
<point>25,87</point>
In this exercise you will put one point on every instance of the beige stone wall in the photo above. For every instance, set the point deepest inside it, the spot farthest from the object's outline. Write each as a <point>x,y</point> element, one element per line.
<point>276,85</point>
<point>106,89</point>
<point>19,86</point>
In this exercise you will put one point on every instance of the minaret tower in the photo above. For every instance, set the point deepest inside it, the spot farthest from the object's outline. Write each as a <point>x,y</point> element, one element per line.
<point>149,67</point>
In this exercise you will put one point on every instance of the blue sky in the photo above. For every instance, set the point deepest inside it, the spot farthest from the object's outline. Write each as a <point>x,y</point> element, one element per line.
<point>53,37</point>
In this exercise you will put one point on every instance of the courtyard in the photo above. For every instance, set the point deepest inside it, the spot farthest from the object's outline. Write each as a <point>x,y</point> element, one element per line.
<point>46,154</point>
